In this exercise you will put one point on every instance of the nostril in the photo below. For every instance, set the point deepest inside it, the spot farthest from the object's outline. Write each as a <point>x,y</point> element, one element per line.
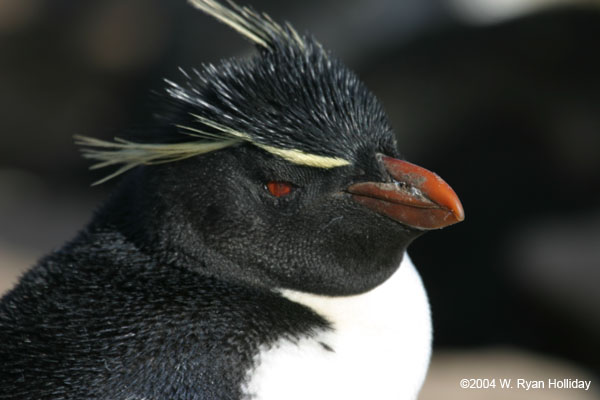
<point>385,174</point>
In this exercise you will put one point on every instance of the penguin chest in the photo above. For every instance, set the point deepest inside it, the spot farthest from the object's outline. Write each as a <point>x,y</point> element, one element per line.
<point>379,346</point>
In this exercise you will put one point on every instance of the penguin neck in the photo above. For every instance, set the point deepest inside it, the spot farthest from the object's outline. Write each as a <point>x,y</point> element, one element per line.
<point>130,237</point>
<point>331,307</point>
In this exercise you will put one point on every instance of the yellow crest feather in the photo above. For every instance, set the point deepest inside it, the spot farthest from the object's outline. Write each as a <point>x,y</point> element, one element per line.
<point>132,154</point>
<point>260,29</point>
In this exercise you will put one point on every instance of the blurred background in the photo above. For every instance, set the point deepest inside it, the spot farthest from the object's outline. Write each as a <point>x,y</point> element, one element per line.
<point>500,97</point>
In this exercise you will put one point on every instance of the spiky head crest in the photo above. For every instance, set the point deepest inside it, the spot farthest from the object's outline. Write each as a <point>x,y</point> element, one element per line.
<point>293,100</point>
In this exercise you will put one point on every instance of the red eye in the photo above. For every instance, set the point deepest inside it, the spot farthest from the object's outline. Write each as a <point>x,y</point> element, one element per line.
<point>279,189</point>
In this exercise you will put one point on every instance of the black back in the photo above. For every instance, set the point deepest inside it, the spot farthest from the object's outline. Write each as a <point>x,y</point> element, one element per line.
<point>99,319</point>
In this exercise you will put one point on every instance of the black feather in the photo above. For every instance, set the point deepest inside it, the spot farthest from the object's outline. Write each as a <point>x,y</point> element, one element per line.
<point>102,320</point>
<point>290,97</point>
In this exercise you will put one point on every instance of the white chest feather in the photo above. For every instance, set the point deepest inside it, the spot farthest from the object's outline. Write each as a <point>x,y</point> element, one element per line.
<point>381,342</point>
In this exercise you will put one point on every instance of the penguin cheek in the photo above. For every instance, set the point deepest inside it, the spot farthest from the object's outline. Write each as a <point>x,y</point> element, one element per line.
<point>341,250</point>
<point>331,246</point>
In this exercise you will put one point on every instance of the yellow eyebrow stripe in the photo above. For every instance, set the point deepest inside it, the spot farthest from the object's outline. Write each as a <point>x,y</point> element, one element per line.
<point>300,157</point>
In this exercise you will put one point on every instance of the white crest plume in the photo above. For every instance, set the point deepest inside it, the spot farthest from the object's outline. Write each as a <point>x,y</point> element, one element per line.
<point>260,29</point>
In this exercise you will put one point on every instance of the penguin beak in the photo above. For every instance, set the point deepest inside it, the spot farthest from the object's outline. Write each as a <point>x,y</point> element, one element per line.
<point>415,196</point>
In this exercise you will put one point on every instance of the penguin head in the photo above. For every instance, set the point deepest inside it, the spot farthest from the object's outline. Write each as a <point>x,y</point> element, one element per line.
<point>280,170</point>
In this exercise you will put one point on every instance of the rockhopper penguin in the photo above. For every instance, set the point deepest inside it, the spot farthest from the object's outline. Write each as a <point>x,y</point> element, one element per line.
<point>255,251</point>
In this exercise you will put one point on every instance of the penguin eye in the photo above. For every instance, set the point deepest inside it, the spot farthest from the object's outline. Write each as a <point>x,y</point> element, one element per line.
<point>279,189</point>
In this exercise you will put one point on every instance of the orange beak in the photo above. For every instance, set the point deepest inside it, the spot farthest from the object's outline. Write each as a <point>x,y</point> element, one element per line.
<point>416,197</point>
